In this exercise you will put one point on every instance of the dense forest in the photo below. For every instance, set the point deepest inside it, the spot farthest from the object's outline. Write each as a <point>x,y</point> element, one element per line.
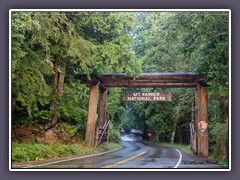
<point>50,48</point>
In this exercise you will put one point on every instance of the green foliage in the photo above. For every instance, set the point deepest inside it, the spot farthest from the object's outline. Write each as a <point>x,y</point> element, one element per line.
<point>110,147</point>
<point>69,108</point>
<point>90,42</point>
<point>158,117</point>
<point>113,104</point>
<point>185,148</point>
<point>34,152</point>
<point>187,41</point>
<point>128,120</point>
<point>114,134</point>
<point>110,34</point>
<point>220,161</point>
<point>68,129</point>
<point>218,130</point>
<point>41,115</point>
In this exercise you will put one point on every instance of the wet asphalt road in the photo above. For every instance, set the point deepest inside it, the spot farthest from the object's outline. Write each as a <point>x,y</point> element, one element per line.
<point>135,154</point>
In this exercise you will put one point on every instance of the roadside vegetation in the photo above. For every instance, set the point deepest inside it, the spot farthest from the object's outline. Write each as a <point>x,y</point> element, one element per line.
<point>224,162</point>
<point>32,145</point>
<point>187,149</point>
<point>183,147</point>
<point>24,152</point>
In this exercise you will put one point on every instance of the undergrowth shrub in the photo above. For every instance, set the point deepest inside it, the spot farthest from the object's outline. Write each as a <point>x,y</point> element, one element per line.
<point>24,152</point>
<point>114,134</point>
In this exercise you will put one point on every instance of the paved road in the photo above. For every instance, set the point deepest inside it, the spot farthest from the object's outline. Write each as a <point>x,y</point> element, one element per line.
<point>135,154</point>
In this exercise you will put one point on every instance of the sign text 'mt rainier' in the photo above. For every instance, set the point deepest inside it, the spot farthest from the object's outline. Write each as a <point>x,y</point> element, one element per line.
<point>147,96</point>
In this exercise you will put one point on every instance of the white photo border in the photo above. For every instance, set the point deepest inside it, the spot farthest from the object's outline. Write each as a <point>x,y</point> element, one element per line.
<point>115,10</point>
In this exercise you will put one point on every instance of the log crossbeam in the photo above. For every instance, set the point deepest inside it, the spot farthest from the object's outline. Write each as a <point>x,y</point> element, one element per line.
<point>183,79</point>
<point>91,81</point>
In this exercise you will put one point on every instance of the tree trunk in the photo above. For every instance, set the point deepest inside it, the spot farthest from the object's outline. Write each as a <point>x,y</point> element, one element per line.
<point>192,136</point>
<point>163,137</point>
<point>173,132</point>
<point>221,148</point>
<point>175,121</point>
<point>155,137</point>
<point>222,151</point>
<point>57,84</point>
<point>13,109</point>
<point>181,137</point>
<point>13,104</point>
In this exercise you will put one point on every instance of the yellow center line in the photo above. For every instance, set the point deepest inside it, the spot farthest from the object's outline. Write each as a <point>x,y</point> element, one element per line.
<point>125,160</point>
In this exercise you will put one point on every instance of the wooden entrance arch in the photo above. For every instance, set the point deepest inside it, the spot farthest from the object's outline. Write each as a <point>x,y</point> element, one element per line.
<point>199,130</point>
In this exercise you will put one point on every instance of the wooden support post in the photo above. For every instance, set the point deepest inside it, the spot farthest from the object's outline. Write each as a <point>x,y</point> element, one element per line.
<point>91,118</point>
<point>108,129</point>
<point>96,136</point>
<point>102,109</point>
<point>195,147</point>
<point>202,121</point>
<point>192,127</point>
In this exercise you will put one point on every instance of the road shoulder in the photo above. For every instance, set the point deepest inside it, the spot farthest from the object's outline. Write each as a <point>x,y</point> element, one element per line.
<point>39,163</point>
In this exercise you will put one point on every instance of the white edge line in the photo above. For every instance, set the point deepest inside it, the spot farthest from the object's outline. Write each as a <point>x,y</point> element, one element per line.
<point>122,10</point>
<point>10,87</point>
<point>180,158</point>
<point>81,157</point>
<point>114,170</point>
<point>229,91</point>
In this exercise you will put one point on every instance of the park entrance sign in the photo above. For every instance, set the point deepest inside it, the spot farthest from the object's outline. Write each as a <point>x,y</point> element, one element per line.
<point>146,96</point>
<point>99,85</point>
